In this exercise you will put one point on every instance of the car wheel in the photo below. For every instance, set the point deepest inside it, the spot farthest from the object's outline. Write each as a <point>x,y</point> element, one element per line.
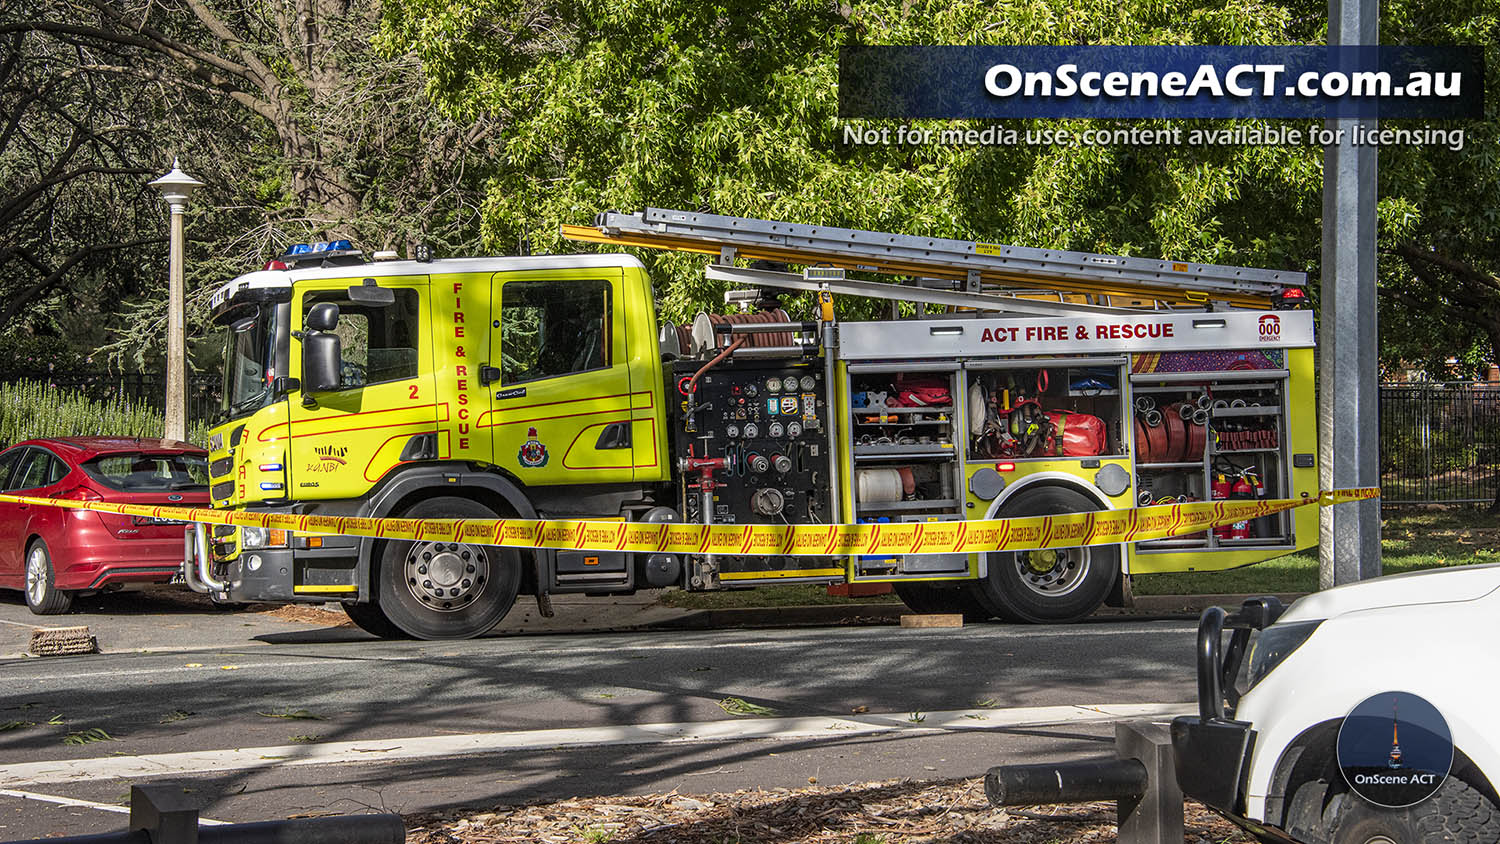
<point>1304,813</point>
<point>42,594</point>
<point>1054,585</point>
<point>1456,813</point>
<point>370,618</point>
<point>923,598</point>
<point>446,590</point>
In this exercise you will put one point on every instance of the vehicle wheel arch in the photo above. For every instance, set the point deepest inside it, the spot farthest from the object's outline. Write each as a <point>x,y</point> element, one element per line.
<point>1048,479</point>
<point>1062,480</point>
<point>491,486</point>
<point>1313,755</point>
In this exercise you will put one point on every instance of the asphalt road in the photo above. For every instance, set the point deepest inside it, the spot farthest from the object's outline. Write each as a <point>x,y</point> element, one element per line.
<point>310,720</point>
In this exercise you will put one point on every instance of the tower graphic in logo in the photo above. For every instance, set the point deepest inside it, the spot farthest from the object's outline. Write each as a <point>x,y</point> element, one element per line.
<point>533,453</point>
<point>1395,759</point>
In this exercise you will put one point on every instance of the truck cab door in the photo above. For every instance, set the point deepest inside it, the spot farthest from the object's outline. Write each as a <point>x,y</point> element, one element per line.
<point>560,386</point>
<point>342,442</point>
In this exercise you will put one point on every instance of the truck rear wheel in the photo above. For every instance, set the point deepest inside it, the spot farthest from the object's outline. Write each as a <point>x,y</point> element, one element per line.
<point>1054,585</point>
<point>925,598</point>
<point>446,590</point>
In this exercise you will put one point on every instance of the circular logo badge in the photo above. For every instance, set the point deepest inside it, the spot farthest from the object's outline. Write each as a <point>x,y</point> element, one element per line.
<point>1395,749</point>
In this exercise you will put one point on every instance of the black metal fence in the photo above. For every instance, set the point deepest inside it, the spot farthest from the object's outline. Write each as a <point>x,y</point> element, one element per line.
<point>1439,443</point>
<point>146,388</point>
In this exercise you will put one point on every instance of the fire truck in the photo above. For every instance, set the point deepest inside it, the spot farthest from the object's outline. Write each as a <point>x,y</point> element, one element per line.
<point>1005,381</point>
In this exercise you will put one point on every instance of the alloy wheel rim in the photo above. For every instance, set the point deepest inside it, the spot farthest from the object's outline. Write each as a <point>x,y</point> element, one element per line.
<point>446,576</point>
<point>36,575</point>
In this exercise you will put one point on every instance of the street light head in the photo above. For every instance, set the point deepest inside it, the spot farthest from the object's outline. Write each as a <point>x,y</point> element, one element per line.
<point>176,186</point>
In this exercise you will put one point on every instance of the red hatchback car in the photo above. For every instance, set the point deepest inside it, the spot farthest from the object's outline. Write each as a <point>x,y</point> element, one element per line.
<point>51,553</point>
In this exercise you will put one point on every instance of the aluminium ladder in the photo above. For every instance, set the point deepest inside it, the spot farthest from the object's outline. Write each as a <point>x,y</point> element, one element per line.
<point>986,271</point>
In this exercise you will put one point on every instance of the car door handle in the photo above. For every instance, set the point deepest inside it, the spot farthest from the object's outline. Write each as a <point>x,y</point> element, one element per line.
<point>488,374</point>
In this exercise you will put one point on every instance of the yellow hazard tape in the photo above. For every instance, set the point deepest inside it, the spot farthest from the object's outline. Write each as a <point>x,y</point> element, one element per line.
<point>1101,527</point>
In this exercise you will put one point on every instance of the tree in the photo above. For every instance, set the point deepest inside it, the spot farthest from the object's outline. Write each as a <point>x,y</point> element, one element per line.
<point>301,131</point>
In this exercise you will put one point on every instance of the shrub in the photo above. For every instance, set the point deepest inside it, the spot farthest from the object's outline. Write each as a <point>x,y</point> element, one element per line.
<point>31,409</point>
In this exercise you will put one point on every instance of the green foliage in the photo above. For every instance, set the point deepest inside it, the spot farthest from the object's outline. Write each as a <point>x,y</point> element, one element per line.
<point>30,409</point>
<point>88,736</point>
<point>623,104</point>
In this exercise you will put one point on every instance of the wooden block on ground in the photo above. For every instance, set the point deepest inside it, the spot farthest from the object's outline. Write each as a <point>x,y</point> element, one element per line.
<point>933,620</point>
<point>60,641</point>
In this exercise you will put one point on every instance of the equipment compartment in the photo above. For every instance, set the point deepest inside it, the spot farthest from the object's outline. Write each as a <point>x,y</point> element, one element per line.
<point>1212,436</point>
<point>1044,409</point>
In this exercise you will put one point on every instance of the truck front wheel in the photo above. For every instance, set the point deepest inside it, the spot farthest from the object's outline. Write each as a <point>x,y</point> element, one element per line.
<point>1053,585</point>
<point>446,590</point>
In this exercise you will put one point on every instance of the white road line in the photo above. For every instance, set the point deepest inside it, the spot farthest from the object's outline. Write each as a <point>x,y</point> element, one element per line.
<point>86,804</point>
<point>427,747</point>
<point>18,624</point>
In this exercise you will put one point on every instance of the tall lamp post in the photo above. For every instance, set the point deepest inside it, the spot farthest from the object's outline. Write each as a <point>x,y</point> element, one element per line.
<point>176,186</point>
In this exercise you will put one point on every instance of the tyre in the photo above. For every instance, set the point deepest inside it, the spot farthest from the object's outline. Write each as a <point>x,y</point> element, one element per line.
<point>925,598</point>
<point>1304,813</point>
<point>370,618</point>
<point>42,594</point>
<point>1051,586</point>
<point>1456,813</point>
<point>446,590</point>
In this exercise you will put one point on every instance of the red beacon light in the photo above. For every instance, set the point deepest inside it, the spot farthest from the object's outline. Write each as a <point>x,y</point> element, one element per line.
<point>274,264</point>
<point>1290,298</point>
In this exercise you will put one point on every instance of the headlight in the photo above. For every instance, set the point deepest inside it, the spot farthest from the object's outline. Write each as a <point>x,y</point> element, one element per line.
<point>1275,644</point>
<point>252,537</point>
<point>259,537</point>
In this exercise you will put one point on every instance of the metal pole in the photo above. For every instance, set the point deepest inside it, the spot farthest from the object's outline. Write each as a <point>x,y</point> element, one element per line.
<point>176,186</point>
<point>176,415</point>
<point>1348,426</point>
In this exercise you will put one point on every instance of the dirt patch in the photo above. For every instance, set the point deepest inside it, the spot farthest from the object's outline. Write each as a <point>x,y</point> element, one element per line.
<point>304,614</point>
<point>890,812</point>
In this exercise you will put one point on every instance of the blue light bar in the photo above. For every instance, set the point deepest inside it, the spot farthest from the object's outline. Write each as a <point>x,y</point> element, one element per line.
<point>298,249</point>
<point>320,246</point>
<point>341,244</point>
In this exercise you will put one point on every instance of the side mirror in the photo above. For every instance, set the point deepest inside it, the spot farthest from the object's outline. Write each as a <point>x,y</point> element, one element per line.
<point>323,316</point>
<point>321,358</point>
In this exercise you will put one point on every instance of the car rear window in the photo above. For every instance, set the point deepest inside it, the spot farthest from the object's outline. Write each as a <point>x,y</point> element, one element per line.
<point>140,472</point>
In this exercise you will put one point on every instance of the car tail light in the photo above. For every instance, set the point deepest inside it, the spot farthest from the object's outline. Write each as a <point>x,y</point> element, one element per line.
<point>81,493</point>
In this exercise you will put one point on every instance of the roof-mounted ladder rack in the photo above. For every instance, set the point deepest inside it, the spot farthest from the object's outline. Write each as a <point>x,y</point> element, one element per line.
<point>974,266</point>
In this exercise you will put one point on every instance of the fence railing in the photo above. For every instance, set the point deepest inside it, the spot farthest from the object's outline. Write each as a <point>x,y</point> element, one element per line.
<point>1439,443</point>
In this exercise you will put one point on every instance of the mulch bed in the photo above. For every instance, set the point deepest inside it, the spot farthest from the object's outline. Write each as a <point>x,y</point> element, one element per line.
<point>889,812</point>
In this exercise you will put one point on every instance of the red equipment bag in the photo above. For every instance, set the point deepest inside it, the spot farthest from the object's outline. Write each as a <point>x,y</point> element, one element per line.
<point>1079,434</point>
<point>920,391</point>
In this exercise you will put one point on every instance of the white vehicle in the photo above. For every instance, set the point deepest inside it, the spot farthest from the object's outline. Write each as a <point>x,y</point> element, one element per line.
<point>1266,757</point>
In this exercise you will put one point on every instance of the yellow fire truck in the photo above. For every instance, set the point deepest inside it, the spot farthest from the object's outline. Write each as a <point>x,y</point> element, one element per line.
<point>1009,381</point>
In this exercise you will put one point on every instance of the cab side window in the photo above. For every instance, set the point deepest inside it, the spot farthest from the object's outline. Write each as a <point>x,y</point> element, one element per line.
<point>550,328</point>
<point>379,342</point>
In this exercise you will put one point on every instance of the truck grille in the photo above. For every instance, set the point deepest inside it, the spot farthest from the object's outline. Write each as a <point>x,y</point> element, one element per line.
<point>220,467</point>
<point>223,491</point>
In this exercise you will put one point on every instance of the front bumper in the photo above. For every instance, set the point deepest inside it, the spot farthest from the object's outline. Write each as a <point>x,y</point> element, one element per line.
<point>1211,750</point>
<point>272,575</point>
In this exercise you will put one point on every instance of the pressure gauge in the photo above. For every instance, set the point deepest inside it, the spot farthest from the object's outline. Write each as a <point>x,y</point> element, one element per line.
<point>732,431</point>
<point>808,383</point>
<point>794,429</point>
<point>776,430</point>
<point>773,385</point>
<point>751,390</point>
<point>752,430</point>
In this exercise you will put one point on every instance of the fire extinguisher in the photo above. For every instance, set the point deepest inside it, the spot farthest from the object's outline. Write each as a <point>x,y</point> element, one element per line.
<point>1241,491</point>
<point>1221,490</point>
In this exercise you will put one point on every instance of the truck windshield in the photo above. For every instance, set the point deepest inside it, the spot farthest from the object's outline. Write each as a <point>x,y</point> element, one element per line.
<point>247,356</point>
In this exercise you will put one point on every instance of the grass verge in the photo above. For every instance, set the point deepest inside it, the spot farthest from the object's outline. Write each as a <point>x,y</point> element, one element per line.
<point>1412,539</point>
